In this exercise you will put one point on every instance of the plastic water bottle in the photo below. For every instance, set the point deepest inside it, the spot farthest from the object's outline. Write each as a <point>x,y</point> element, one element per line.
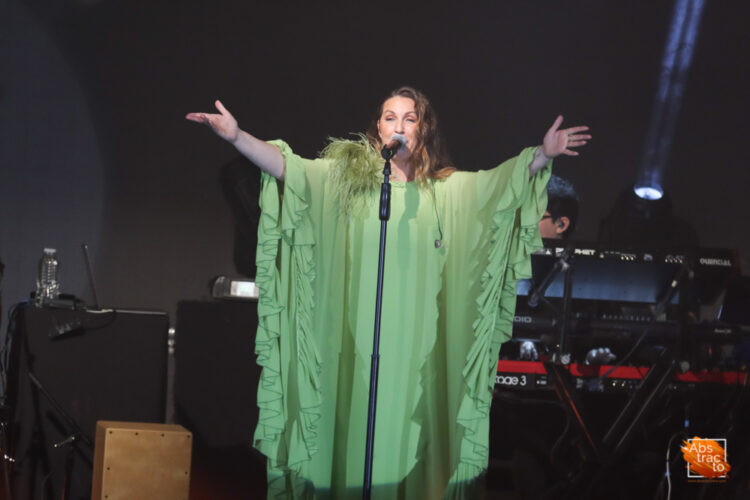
<point>47,286</point>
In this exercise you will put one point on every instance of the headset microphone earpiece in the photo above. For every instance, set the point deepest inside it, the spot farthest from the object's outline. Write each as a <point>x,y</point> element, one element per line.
<point>439,241</point>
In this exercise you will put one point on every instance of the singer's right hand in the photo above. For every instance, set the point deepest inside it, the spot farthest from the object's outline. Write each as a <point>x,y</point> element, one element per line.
<point>223,123</point>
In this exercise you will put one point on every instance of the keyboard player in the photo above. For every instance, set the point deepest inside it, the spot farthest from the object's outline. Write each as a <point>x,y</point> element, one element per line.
<point>560,218</point>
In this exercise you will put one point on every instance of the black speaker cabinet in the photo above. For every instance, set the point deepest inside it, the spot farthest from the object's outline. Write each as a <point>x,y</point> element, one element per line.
<point>216,376</point>
<point>67,370</point>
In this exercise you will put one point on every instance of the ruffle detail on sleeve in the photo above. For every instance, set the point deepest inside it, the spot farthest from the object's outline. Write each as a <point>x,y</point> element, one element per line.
<point>285,273</point>
<point>512,243</point>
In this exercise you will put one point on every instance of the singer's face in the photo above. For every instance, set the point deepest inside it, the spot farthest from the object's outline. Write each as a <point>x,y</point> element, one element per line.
<point>399,117</point>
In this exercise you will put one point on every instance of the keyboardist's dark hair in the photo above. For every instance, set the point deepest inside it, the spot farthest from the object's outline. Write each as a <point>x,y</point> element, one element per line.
<point>562,201</point>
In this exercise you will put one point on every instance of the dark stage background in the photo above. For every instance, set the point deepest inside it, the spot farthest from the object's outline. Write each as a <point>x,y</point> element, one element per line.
<point>94,146</point>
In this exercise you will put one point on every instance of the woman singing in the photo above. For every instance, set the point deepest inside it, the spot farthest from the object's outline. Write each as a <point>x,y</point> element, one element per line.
<point>457,243</point>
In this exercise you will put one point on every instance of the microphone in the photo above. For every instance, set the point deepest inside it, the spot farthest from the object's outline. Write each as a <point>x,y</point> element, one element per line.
<point>396,144</point>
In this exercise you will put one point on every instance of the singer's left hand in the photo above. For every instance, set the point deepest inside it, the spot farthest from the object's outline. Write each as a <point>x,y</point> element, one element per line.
<point>557,142</point>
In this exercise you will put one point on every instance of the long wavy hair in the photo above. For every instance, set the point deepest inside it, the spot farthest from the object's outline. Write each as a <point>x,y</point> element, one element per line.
<point>430,157</point>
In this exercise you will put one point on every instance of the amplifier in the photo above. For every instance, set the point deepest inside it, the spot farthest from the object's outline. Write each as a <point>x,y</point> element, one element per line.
<point>112,366</point>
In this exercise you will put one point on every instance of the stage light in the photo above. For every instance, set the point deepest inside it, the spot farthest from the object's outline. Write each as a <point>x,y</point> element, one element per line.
<point>678,54</point>
<point>643,216</point>
<point>649,192</point>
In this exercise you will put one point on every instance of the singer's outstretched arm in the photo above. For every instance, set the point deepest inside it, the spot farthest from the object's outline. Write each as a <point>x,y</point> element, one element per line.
<point>557,142</point>
<point>266,156</point>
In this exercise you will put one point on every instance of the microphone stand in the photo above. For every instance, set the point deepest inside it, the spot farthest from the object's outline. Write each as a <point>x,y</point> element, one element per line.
<point>385,214</point>
<point>76,434</point>
<point>561,266</point>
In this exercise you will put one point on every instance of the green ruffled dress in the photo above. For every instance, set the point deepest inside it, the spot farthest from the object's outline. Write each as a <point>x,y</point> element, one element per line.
<point>445,313</point>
